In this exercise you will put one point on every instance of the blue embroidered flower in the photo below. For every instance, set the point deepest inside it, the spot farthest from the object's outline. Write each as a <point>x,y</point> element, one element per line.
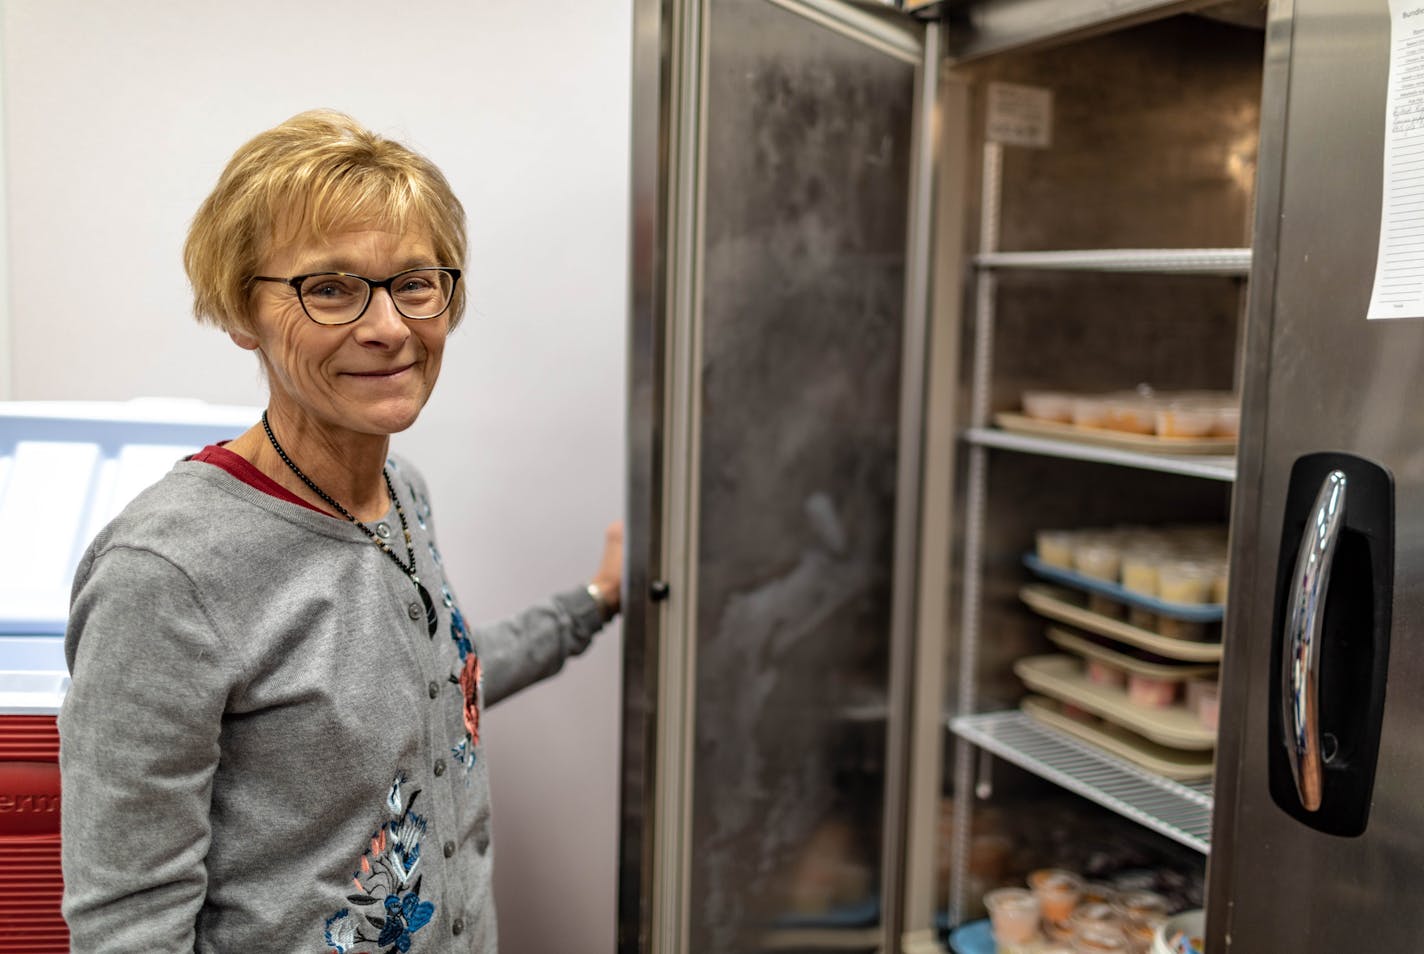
<point>383,880</point>
<point>341,931</point>
<point>404,916</point>
<point>459,633</point>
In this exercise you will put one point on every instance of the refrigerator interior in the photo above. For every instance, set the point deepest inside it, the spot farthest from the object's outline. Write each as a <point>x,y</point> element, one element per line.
<point>1154,136</point>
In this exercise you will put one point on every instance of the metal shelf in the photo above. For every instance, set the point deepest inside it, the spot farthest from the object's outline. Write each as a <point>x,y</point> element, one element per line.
<point>1210,467</point>
<point>1179,810</point>
<point>1161,261</point>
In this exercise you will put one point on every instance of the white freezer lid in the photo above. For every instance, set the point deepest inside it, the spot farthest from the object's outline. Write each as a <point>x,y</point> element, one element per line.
<point>33,676</point>
<point>66,469</point>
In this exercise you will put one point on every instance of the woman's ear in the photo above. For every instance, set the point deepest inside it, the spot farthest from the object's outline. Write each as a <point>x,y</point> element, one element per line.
<point>243,340</point>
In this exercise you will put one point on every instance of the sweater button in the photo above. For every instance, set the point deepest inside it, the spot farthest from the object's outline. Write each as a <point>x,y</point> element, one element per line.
<point>383,530</point>
<point>439,767</point>
<point>434,689</point>
<point>414,611</point>
<point>449,849</point>
<point>458,927</point>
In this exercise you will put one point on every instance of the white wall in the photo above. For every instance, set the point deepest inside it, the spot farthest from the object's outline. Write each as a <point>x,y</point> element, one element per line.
<point>118,118</point>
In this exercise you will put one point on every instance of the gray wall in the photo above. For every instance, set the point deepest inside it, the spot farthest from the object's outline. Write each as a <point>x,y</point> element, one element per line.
<point>117,120</point>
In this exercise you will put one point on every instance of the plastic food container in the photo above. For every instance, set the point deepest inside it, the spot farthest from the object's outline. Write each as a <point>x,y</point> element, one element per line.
<point>1014,914</point>
<point>1100,939</point>
<point>1135,415</point>
<point>1185,419</point>
<point>1187,582</point>
<point>1141,905</point>
<point>1057,892</point>
<point>1150,691</point>
<point>1090,411</point>
<point>1220,583</point>
<point>1105,674</point>
<point>1139,574</point>
<point>1093,912</point>
<point>1204,698</point>
<point>1183,933</point>
<point>1048,406</point>
<point>1055,547</point>
<point>1228,421</point>
<point>1099,892</point>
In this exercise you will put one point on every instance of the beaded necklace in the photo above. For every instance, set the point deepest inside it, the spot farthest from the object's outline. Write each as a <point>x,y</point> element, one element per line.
<point>431,622</point>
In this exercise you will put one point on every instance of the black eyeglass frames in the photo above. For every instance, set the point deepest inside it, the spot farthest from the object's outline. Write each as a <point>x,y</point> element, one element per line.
<point>339,298</point>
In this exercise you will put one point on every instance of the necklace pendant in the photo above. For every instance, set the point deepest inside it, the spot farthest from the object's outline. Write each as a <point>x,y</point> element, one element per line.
<point>432,622</point>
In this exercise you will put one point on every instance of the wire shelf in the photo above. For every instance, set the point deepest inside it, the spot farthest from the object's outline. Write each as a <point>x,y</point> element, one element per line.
<point>1193,465</point>
<point>1179,810</point>
<point>1161,261</point>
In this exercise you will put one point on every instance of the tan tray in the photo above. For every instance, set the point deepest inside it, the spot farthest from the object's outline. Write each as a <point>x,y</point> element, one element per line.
<point>1061,604</point>
<point>1169,763</point>
<point>1074,643</point>
<point>1149,443</point>
<point>1062,678</point>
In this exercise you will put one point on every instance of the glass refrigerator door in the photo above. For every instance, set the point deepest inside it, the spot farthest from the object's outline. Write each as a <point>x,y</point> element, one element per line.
<point>769,664</point>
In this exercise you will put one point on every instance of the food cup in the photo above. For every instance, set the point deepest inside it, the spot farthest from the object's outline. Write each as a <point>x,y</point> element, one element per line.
<point>1013,914</point>
<point>1186,582</point>
<point>1141,905</point>
<point>1185,419</point>
<point>1048,406</point>
<point>1139,575</point>
<point>1150,691</point>
<point>1098,892</point>
<point>1228,421</point>
<point>1204,698</point>
<point>1093,912</point>
<point>1090,411</point>
<point>1100,939</point>
<point>1134,414</point>
<point>1220,581</point>
<point>1057,891</point>
<point>1105,674</point>
<point>1055,547</point>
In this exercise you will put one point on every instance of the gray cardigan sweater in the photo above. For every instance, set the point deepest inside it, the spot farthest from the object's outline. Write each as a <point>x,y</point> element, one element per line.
<point>263,749</point>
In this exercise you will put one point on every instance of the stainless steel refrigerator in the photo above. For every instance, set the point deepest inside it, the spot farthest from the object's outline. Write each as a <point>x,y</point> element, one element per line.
<point>798,293</point>
<point>1318,837</point>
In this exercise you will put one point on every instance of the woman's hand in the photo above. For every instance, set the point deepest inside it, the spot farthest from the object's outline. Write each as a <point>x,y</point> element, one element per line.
<point>609,575</point>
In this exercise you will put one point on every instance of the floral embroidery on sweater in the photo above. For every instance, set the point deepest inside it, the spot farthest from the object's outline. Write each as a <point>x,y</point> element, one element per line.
<point>468,679</point>
<point>386,910</point>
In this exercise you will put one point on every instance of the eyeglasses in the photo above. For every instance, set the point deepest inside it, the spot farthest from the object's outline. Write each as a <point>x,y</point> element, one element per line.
<point>339,298</point>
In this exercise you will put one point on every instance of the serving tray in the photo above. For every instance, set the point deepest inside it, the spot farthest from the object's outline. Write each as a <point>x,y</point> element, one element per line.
<point>1191,612</point>
<point>1073,642</point>
<point>1148,443</point>
<point>1064,606</point>
<point>1170,763</point>
<point>1061,677</point>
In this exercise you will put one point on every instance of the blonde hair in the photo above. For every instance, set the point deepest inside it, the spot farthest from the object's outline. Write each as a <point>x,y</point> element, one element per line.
<point>314,175</point>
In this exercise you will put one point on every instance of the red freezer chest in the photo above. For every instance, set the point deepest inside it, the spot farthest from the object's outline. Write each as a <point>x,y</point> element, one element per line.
<point>30,879</point>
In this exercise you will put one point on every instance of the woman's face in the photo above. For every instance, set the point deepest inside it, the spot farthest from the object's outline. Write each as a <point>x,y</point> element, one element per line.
<point>369,377</point>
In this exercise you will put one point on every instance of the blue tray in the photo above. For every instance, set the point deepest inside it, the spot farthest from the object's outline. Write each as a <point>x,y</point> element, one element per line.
<point>975,937</point>
<point>1192,612</point>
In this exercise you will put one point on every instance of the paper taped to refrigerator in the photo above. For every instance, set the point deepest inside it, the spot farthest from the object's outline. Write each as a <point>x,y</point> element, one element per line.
<point>1399,269</point>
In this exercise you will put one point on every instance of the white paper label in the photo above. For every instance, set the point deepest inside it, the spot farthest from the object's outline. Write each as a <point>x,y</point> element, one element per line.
<point>1020,115</point>
<point>1399,269</point>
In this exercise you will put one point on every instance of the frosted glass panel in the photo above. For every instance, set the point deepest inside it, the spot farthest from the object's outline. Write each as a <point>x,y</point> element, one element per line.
<point>807,179</point>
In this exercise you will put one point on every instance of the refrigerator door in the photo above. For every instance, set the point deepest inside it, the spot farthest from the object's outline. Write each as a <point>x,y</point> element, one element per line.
<point>768,468</point>
<point>1317,844</point>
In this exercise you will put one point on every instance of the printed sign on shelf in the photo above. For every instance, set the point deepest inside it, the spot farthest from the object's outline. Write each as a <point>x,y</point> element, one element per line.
<point>1020,115</point>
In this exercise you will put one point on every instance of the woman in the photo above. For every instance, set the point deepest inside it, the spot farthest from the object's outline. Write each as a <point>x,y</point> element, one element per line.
<point>271,741</point>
